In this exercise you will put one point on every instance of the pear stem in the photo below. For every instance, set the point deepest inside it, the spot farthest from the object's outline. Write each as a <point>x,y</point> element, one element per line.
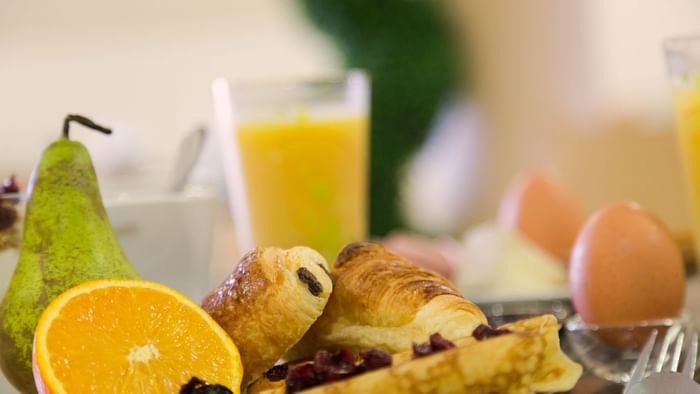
<point>83,121</point>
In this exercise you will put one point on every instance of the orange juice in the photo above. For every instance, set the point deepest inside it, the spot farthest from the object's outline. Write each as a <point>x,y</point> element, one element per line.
<point>306,181</point>
<point>687,111</point>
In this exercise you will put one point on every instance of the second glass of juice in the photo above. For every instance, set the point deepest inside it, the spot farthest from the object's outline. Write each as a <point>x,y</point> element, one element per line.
<point>683,59</point>
<point>296,161</point>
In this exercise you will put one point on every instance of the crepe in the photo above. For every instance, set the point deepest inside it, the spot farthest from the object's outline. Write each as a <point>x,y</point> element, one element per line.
<point>529,359</point>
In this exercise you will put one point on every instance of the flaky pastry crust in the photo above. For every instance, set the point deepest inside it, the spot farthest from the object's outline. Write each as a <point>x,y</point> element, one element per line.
<point>269,302</point>
<point>381,300</point>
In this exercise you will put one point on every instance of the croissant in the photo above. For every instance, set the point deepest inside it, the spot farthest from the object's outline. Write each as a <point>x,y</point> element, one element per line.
<point>380,300</point>
<point>269,302</point>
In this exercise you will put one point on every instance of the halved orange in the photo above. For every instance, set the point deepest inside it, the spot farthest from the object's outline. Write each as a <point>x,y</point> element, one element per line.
<point>130,336</point>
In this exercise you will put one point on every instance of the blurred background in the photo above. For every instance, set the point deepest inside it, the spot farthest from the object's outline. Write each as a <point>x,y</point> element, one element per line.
<point>560,85</point>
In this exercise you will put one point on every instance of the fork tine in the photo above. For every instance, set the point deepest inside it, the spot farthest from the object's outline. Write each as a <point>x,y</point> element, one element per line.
<point>691,357</point>
<point>641,365</point>
<point>677,349</point>
<point>670,336</point>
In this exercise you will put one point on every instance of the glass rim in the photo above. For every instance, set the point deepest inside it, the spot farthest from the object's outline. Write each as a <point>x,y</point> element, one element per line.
<point>576,323</point>
<point>349,89</point>
<point>286,83</point>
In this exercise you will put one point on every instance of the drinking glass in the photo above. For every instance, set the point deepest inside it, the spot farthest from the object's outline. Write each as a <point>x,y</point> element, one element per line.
<point>295,160</point>
<point>683,59</point>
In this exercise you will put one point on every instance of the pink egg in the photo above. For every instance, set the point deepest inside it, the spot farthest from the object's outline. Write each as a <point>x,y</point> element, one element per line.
<point>625,267</point>
<point>543,211</point>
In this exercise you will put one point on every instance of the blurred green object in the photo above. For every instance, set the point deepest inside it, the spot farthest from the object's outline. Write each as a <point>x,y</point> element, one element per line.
<point>408,51</point>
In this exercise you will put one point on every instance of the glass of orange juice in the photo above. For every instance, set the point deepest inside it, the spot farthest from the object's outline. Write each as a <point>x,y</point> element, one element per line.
<point>295,157</point>
<point>683,59</point>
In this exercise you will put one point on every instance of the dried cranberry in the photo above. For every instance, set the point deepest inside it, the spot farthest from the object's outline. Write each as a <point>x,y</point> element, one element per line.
<point>374,359</point>
<point>484,331</point>
<point>278,372</point>
<point>339,373</point>
<point>9,185</point>
<point>343,358</point>
<point>300,378</point>
<point>342,365</point>
<point>422,349</point>
<point>329,367</point>
<point>322,360</point>
<point>438,343</point>
<point>305,372</point>
<point>199,386</point>
<point>435,344</point>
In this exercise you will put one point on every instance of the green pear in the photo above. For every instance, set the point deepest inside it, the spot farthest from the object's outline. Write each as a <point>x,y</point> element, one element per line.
<point>67,240</point>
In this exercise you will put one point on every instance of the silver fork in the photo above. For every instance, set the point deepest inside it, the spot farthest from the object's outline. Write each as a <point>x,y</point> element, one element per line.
<point>669,380</point>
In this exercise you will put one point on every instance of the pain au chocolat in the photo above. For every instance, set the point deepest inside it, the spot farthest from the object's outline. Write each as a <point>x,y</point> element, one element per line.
<point>269,302</point>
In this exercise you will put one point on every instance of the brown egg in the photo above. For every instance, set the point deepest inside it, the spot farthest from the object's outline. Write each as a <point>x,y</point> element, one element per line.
<point>543,211</point>
<point>624,268</point>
